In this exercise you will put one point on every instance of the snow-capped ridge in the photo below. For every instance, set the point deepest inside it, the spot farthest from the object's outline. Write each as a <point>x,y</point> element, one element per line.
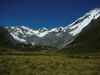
<point>62,35</point>
<point>95,9</point>
<point>82,22</point>
<point>44,28</point>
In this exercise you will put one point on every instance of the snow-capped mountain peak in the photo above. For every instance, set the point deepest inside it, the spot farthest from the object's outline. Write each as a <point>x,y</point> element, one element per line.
<point>44,28</point>
<point>57,37</point>
<point>80,23</point>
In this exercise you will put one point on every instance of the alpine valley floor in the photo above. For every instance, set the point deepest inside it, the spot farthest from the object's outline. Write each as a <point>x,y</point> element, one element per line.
<point>50,64</point>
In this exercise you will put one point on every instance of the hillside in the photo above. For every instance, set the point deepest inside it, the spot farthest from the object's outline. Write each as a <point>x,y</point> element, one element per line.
<point>5,36</point>
<point>88,41</point>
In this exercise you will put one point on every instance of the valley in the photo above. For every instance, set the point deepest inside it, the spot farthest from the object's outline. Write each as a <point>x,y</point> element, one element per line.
<point>70,50</point>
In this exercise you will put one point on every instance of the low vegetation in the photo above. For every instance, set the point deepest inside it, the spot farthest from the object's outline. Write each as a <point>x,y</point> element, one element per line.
<point>48,65</point>
<point>16,60</point>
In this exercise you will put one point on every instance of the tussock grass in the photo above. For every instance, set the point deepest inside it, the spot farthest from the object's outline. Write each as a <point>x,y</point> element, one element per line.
<point>48,65</point>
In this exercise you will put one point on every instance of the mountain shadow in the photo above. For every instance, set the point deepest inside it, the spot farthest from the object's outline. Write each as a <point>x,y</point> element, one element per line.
<point>5,36</point>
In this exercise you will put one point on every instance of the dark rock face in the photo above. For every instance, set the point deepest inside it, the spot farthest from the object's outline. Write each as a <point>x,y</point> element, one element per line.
<point>56,39</point>
<point>5,36</point>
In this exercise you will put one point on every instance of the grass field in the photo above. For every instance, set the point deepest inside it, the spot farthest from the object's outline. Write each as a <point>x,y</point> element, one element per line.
<point>48,65</point>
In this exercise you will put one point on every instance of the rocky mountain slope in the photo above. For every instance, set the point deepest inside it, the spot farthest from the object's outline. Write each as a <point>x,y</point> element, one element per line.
<point>5,36</point>
<point>56,37</point>
<point>88,41</point>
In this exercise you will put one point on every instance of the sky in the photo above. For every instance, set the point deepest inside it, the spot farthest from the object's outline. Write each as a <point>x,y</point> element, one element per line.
<point>43,13</point>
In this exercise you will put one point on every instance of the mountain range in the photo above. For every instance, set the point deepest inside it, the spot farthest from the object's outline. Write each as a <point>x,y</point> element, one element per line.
<point>57,37</point>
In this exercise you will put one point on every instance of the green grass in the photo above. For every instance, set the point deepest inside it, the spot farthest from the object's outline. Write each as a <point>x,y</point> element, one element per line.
<point>48,65</point>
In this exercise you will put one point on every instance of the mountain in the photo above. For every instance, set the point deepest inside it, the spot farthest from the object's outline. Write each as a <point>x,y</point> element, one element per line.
<point>88,41</point>
<point>56,37</point>
<point>5,36</point>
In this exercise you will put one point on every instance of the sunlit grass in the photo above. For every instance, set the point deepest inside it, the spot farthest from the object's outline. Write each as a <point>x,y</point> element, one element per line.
<point>48,65</point>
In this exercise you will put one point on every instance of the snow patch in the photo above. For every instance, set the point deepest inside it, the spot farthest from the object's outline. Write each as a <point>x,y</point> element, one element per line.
<point>46,32</point>
<point>94,14</point>
<point>32,43</point>
<point>17,38</point>
<point>58,34</point>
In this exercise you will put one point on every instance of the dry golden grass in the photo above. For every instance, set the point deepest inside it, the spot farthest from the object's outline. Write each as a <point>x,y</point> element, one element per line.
<point>48,65</point>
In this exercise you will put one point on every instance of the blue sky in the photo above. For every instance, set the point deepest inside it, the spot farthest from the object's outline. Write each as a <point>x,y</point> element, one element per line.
<point>43,13</point>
